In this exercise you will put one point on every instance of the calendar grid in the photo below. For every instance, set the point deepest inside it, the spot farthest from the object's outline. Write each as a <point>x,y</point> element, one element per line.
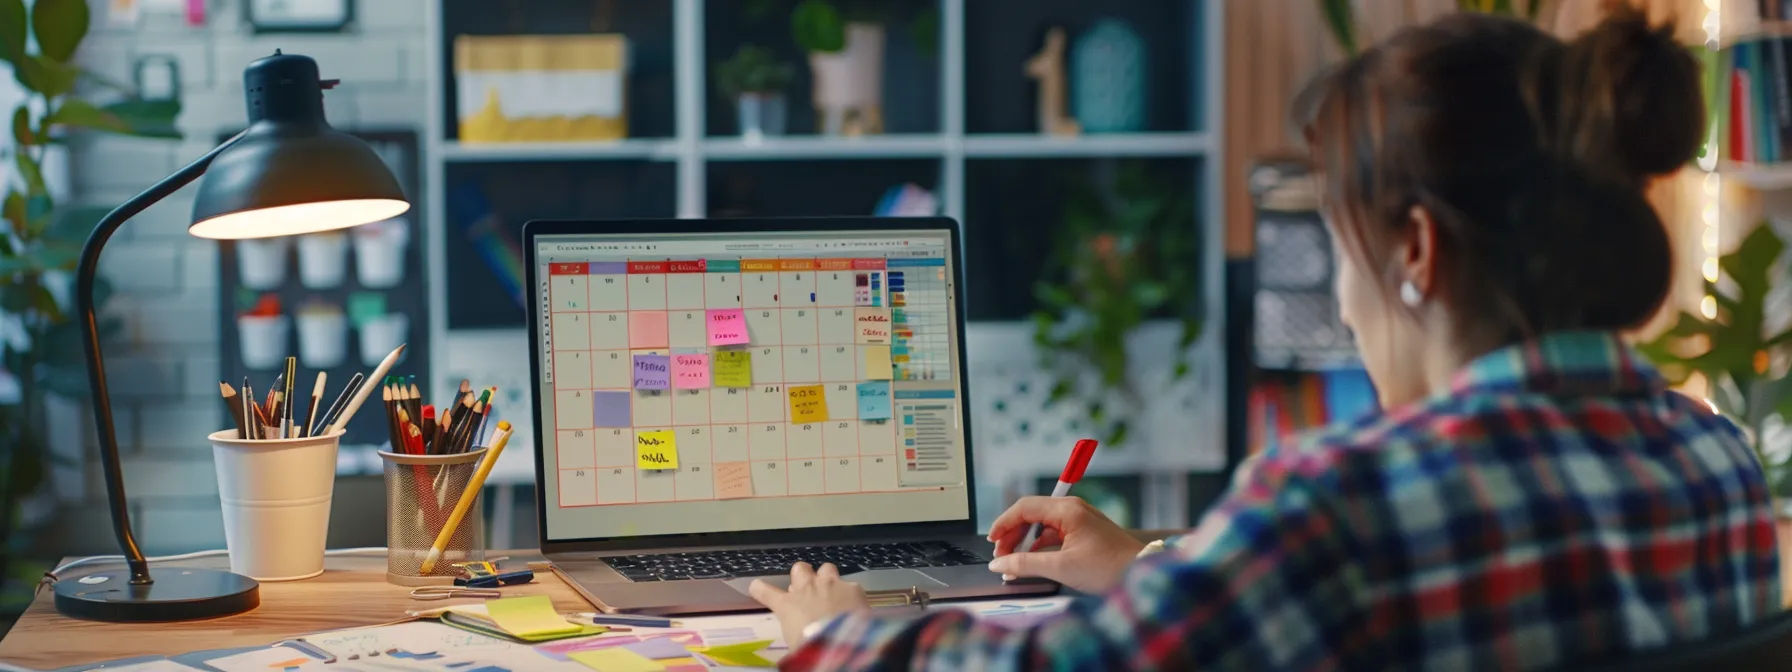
<point>802,317</point>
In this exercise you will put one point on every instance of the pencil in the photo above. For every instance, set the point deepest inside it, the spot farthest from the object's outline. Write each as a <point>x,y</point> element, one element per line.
<point>467,496</point>
<point>429,427</point>
<point>317,397</point>
<point>460,425</point>
<point>233,406</point>
<point>342,397</point>
<point>354,404</point>
<point>415,398</point>
<point>393,435</point>
<point>249,409</point>
<point>292,376</point>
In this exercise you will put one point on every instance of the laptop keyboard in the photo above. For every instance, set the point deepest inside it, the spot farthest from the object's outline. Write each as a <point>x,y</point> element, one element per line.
<point>777,561</point>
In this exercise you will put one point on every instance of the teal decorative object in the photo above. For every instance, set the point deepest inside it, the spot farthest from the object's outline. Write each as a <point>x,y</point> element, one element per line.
<point>1107,80</point>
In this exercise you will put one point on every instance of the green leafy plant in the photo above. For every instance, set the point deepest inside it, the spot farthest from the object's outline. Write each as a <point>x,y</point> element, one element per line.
<point>1340,18</point>
<point>1126,253</point>
<point>819,26</point>
<point>1745,365</point>
<point>753,69</point>
<point>41,241</point>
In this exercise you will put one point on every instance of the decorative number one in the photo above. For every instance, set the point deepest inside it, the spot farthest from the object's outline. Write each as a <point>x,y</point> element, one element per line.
<point>1047,67</point>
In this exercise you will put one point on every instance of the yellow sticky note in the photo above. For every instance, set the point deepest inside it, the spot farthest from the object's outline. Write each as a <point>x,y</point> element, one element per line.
<point>808,404</point>
<point>744,654</point>
<point>733,368</point>
<point>656,450</point>
<point>877,362</point>
<point>615,659</point>
<point>529,616</point>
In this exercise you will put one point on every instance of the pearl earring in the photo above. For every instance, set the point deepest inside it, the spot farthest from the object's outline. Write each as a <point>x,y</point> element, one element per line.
<point>1409,294</point>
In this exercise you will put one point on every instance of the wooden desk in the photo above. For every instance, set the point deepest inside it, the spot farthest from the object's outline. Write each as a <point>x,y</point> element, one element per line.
<point>352,593</point>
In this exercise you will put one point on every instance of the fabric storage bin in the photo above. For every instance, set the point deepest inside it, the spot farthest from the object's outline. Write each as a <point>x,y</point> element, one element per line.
<point>541,88</point>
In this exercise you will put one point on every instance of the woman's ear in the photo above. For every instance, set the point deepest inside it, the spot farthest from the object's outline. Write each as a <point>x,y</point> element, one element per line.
<point>1418,254</point>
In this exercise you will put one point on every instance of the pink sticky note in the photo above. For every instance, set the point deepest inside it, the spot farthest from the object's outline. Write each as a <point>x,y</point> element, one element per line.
<point>690,372</point>
<point>647,330</point>
<point>727,327</point>
<point>734,480</point>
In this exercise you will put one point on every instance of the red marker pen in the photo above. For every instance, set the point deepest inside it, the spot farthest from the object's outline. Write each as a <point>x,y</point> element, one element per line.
<point>1073,472</point>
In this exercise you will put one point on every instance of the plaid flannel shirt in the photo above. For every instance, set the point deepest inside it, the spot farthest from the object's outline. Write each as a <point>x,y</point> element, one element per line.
<point>1558,506</point>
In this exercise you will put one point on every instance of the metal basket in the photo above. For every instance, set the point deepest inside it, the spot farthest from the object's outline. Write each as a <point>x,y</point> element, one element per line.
<point>421,493</point>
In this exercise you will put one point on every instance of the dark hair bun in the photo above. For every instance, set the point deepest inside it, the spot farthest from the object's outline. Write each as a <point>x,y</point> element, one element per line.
<point>1630,98</point>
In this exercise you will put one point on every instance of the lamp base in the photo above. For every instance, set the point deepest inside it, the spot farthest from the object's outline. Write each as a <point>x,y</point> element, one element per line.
<point>178,594</point>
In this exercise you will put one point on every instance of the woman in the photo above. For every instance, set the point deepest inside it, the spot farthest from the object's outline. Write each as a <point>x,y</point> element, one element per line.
<point>1534,497</point>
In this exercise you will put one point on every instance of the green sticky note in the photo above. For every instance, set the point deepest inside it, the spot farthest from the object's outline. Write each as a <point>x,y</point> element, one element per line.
<point>529,616</point>
<point>615,659</point>
<point>744,654</point>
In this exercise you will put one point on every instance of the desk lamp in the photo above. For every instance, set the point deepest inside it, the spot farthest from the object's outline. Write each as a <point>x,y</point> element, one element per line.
<point>288,173</point>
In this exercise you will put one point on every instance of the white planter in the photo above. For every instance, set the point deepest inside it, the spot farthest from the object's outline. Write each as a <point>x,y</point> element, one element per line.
<point>262,340</point>
<point>379,254</point>
<point>381,335</point>
<point>323,260</point>
<point>261,262</point>
<point>848,93</point>
<point>761,115</point>
<point>323,339</point>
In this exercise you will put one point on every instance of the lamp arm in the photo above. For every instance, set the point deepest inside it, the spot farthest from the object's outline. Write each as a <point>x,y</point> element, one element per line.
<point>87,272</point>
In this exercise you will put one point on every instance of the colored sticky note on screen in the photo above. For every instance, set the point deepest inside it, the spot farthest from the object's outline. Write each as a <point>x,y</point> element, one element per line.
<point>656,450</point>
<point>653,372</point>
<point>871,325</point>
<point>808,404</point>
<point>728,327</point>
<point>647,329</point>
<point>610,409</point>
<point>615,659</point>
<point>734,480</point>
<point>874,401</point>
<point>877,362</point>
<point>733,368</point>
<point>529,616</point>
<point>690,372</point>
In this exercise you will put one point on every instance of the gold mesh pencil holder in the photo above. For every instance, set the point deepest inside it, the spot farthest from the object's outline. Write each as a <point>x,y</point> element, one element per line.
<point>421,493</point>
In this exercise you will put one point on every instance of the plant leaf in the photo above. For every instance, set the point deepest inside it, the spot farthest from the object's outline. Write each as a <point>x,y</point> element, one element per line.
<point>59,26</point>
<point>21,127</point>
<point>1338,18</point>
<point>12,30</point>
<point>817,27</point>
<point>147,118</point>
<point>29,172</point>
<point>49,78</point>
<point>82,114</point>
<point>14,210</point>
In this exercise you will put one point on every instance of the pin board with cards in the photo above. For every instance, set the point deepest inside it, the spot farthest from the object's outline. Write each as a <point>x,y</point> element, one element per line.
<point>706,379</point>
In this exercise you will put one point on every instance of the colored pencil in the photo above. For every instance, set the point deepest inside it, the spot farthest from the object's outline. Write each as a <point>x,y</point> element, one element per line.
<point>286,396</point>
<point>342,397</point>
<point>234,407</point>
<point>317,397</point>
<point>467,496</point>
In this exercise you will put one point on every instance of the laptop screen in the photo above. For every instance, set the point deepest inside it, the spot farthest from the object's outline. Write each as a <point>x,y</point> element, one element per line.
<point>730,382</point>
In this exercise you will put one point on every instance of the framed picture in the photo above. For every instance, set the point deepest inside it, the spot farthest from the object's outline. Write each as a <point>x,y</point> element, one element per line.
<point>299,16</point>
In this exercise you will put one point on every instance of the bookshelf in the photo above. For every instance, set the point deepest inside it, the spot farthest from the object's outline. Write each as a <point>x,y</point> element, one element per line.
<point>958,122</point>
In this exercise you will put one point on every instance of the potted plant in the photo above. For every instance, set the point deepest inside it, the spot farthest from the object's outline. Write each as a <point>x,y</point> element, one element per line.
<point>1126,254</point>
<point>846,58</point>
<point>1742,359</point>
<point>755,79</point>
<point>41,361</point>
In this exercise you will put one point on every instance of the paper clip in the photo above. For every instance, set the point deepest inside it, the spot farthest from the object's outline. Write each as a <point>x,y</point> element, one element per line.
<point>447,592</point>
<point>901,597</point>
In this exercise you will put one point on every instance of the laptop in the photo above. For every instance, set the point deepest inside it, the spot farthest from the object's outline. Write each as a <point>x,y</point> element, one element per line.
<point>717,399</point>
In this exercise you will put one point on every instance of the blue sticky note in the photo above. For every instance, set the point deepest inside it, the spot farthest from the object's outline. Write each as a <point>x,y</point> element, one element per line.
<point>653,372</point>
<point>874,401</point>
<point>610,409</point>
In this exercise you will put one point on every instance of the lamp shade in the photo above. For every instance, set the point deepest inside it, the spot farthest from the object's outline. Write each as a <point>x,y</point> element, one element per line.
<point>289,172</point>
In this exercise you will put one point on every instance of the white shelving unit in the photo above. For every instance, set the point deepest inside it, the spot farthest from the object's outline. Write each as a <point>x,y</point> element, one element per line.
<point>692,150</point>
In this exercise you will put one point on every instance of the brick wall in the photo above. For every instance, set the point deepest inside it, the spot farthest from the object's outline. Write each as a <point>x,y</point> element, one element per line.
<point>164,369</point>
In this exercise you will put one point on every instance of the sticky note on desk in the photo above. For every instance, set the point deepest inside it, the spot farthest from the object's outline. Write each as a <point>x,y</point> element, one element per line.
<point>690,372</point>
<point>877,362</point>
<point>615,659</point>
<point>874,401</point>
<point>733,368</point>
<point>656,450</point>
<point>808,404</point>
<point>871,325</point>
<point>744,654</point>
<point>529,616</point>
<point>653,372</point>
<point>728,327</point>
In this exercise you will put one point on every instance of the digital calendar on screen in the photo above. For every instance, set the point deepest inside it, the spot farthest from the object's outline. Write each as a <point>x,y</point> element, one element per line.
<point>759,380</point>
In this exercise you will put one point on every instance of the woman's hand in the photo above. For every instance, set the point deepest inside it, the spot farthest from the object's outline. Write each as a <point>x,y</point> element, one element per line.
<point>1094,552</point>
<point>814,596</point>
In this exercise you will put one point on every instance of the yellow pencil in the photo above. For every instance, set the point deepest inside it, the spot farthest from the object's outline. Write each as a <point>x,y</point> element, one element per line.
<point>467,496</point>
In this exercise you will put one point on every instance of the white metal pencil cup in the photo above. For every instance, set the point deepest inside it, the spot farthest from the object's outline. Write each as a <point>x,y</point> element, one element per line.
<point>276,495</point>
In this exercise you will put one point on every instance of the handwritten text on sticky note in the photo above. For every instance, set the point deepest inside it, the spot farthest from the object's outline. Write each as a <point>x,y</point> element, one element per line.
<point>727,327</point>
<point>871,325</point>
<point>656,450</point>
<point>733,368</point>
<point>874,401</point>
<point>690,372</point>
<point>653,372</point>
<point>808,404</point>
<point>734,480</point>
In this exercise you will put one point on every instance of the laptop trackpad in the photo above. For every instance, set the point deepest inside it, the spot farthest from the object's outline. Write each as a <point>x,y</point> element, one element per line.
<point>872,580</point>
